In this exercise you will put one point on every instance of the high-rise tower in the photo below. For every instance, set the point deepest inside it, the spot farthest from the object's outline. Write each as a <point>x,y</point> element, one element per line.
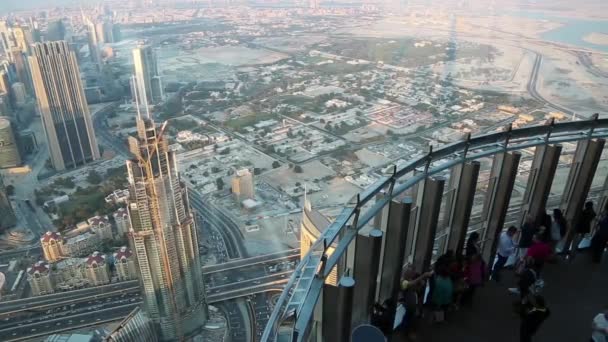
<point>147,81</point>
<point>164,236</point>
<point>62,105</point>
<point>8,218</point>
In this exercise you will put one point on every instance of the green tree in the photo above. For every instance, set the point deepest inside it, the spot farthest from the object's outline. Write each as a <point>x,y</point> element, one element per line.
<point>10,190</point>
<point>297,169</point>
<point>94,177</point>
<point>219,182</point>
<point>275,164</point>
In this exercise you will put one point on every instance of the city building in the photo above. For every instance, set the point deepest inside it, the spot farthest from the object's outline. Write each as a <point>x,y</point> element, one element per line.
<point>5,83</point>
<point>2,283</point>
<point>242,185</point>
<point>100,225</point>
<point>55,31</point>
<point>21,35</point>
<point>19,93</point>
<point>69,274</point>
<point>8,218</point>
<point>39,278</point>
<point>124,263</point>
<point>9,151</point>
<point>136,327</point>
<point>6,38</point>
<point>52,246</point>
<point>64,111</point>
<point>22,69</point>
<point>123,224</point>
<point>148,85</point>
<point>81,244</point>
<point>93,336</point>
<point>164,236</point>
<point>6,108</point>
<point>97,270</point>
<point>118,196</point>
<point>313,224</point>
<point>93,42</point>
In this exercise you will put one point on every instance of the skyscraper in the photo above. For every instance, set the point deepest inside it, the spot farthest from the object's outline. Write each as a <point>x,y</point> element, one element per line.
<point>93,42</point>
<point>21,35</point>
<point>62,105</point>
<point>7,219</point>
<point>164,236</point>
<point>9,151</point>
<point>6,39</point>
<point>148,84</point>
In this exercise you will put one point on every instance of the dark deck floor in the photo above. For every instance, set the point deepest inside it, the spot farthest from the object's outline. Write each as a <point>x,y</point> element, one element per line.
<point>575,292</point>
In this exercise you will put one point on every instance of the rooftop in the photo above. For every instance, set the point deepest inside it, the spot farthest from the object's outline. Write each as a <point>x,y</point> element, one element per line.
<point>96,258</point>
<point>48,236</point>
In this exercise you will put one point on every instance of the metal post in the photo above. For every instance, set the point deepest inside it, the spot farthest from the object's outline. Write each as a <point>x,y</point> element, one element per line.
<point>367,259</point>
<point>394,248</point>
<point>544,164</point>
<point>603,202</point>
<point>337,310</point>
<point>582,170</point>
<point>464,183</point>
<point>430,193</point>
<point>496,204</point>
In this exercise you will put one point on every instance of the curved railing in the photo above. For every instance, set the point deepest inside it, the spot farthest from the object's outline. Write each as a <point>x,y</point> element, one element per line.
<point>297,302</point>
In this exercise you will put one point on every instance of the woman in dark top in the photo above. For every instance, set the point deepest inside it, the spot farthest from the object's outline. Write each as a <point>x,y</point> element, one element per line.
<point>584,223</point>
<point>599,240</point>
<point>583,227</point>
<point>472,248</point>
<point>532,316</point>
<point>527,232</point>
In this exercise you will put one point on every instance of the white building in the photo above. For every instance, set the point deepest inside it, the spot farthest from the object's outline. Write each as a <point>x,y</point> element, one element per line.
<point>242,185</point>
<point>123,225</point>
<point>100,225</point>
<point>96,269</point>
<point>52,246</point>
<point>39,278</point>
<point>69,274</point>
<point>82,244</point>
<point>124,261</point>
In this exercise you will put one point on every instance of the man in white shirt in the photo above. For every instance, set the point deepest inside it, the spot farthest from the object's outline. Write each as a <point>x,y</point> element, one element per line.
<point>600,327</point>
<point>506,246</point>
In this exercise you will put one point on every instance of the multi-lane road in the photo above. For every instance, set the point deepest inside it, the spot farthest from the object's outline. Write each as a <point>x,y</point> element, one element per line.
<point>28,317</point>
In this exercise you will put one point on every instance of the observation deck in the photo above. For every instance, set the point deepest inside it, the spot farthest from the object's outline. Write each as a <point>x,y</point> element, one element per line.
<point>429,206</point>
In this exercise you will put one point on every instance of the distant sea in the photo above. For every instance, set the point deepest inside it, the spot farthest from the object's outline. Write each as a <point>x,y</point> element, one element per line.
<point>573,30</point>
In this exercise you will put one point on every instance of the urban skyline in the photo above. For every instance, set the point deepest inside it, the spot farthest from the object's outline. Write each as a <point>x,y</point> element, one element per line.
<point>63,108</point>
<point>265,171</point>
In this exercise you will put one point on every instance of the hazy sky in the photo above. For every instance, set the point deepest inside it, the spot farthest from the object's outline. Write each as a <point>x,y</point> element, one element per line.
<point>11,5</point>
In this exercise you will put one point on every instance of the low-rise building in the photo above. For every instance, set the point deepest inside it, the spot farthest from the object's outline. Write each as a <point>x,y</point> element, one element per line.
<point>69,274</point>
<point>124,262</point>
<point>52,246</point>
<point>97,269</point>
<point>242,185</point>
<point>39,278</point>
<point>81,245</point>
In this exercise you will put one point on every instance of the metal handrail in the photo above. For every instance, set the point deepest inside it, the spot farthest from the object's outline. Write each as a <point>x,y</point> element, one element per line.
<point>353,217</point>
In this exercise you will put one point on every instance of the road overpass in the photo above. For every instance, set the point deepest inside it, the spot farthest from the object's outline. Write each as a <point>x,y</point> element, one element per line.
<point>37,316</point>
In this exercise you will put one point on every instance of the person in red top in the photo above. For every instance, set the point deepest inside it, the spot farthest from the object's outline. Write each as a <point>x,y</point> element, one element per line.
<point>540,250</point>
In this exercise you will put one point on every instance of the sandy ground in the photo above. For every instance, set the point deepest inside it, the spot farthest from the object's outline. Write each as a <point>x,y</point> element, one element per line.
<point>562,79</point>
<point>289,44</point>
<point>337,192</point>
<point>596,38</point>
<point>285,177</point>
